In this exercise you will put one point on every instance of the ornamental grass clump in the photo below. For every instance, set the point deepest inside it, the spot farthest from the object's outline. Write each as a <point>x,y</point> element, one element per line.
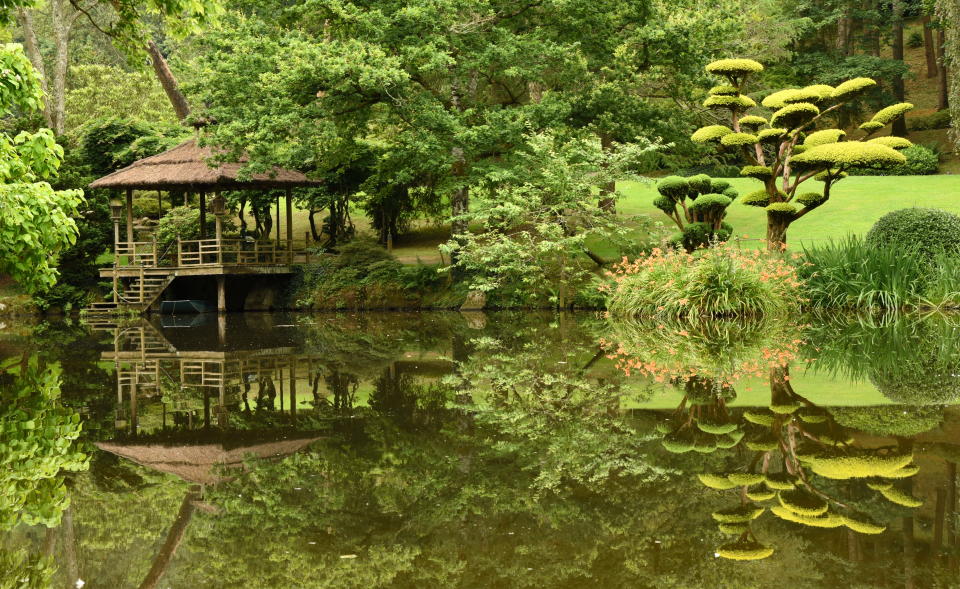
<point>717,282</point>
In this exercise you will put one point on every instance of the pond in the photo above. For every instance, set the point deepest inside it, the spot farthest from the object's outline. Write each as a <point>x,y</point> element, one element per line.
<point>479,450</point>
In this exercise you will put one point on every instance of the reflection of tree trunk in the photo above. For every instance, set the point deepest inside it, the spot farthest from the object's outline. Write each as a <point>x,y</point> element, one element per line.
<point>908,553</point>
<point>174,537</point>
<point>938,521</point>
<point>951,513</point>
<point>168,81</point>
<point>70,548</point>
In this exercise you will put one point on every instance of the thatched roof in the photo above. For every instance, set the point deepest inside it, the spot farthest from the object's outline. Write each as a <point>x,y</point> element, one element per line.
<point>202,463</point>
<point>185,167</point>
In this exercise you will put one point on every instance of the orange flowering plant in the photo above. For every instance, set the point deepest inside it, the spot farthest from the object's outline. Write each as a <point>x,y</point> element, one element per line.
<point>723,281</point>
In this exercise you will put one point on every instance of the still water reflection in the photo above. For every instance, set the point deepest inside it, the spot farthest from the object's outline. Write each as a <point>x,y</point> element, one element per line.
<point>498,450</point>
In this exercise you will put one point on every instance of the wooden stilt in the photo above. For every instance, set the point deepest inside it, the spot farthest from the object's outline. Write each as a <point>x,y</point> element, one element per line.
<point>289,221</point>
<point>130,215</point>
<point>203,215</point>
<point>221,294</point>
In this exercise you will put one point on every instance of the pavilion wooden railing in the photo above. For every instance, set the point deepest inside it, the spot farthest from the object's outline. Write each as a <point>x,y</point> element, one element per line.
<point>135,253</point>
<point>212,252</point>
<point>239,252</point>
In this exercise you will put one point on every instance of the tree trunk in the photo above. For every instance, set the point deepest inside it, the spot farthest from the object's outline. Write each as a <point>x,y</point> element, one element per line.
<point>62,23</point>
<point>929,49</point>
<point>944,95</point>
<point>32,47</point>
<point>607,203</point>
<point>776,232</point>
<point>174,537</point>
<point>169,83</point>
<point>899,127</point>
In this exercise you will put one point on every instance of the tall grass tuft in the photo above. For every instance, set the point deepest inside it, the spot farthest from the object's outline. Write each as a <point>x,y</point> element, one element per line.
<point>718,282</point>
<point>851,274</point>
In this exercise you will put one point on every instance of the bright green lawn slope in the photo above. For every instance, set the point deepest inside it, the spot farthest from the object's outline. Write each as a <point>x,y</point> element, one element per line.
<point>854,206</point>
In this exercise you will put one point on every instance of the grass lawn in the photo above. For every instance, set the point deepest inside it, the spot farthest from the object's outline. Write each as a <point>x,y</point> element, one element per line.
<point>855,204</point>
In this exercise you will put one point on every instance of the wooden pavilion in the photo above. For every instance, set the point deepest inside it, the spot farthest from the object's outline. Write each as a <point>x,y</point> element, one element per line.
<point>142,270</point>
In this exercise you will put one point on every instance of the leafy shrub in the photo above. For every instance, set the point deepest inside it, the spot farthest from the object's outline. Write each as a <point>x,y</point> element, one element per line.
<point>365,275</point>
<point>921,160</point>
<point>184,222</point>
<point>938,120</point>
<point>929,231</point>
<point>722,281</point>
<point>915,40</point>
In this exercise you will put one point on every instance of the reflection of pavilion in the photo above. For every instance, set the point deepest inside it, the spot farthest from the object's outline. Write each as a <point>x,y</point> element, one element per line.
<point>148,365</point>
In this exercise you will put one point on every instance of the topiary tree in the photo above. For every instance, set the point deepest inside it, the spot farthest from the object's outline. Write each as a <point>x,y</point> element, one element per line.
<point>697,205</point>
<point>928,231</point>
<point>796,143</point>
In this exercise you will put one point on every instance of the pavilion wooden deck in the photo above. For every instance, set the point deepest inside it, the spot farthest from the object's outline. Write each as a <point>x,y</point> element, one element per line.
<point>142,271</point>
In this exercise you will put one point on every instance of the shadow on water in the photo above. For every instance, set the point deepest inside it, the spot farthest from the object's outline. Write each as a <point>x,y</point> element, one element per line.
<point>497,450</point>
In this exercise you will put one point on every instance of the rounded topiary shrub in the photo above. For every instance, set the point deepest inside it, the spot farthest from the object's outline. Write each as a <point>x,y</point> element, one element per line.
<point>929,231</point>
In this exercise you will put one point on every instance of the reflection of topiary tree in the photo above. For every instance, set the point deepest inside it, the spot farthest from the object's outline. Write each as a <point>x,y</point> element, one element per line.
<point>36,445</point>
<point>701,220</point>
<point>794,144</point>
<point>796,449</point>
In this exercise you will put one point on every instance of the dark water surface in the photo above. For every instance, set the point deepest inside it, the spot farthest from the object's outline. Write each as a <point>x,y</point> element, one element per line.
<point>479,450</point>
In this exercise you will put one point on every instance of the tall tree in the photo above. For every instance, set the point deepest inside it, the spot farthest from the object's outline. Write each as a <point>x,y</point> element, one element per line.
<point>899,127</point>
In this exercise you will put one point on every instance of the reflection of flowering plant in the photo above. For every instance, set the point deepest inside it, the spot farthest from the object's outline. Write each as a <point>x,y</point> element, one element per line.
<point>724,350</point>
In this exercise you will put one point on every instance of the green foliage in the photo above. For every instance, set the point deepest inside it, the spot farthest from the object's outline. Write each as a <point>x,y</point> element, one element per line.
<point>752,121</point>
<point>710,133</point>
<point>365,276</point>
<point>915,40</point>
<point>927,231</point>
<point>849,154</point>
<point>36,444</point>
<point>734,67</point>
<point>534,228</point>
<point>745,550</point>
<point>771,134</point>
<point>184,223</point>
<point>102,91</point>
<point>824,136</point>
<point>890,113</point>
<point>35,220</point>
<point>921,160</point>
<point>736,139</point>
<point>793,115</point>
<point>937,120</point>
<point>110,143</point>
<point>21,570</point>
<point>892,141</point>
<point>852,88</point>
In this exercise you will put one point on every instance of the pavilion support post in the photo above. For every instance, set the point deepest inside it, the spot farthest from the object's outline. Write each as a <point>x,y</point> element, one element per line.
<point>203,215</point>
<point>293,388</point>
<point>221,294</point>
<point>289,221</point>
<point>278,220</point>
<point>130,216</point>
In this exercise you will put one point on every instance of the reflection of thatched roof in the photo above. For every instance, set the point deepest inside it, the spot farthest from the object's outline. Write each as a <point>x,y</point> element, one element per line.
<point>200,463</point>
<point>185,168</point>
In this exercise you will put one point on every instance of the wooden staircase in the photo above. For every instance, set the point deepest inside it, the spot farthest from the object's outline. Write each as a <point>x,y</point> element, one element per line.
<point>136,297</point>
